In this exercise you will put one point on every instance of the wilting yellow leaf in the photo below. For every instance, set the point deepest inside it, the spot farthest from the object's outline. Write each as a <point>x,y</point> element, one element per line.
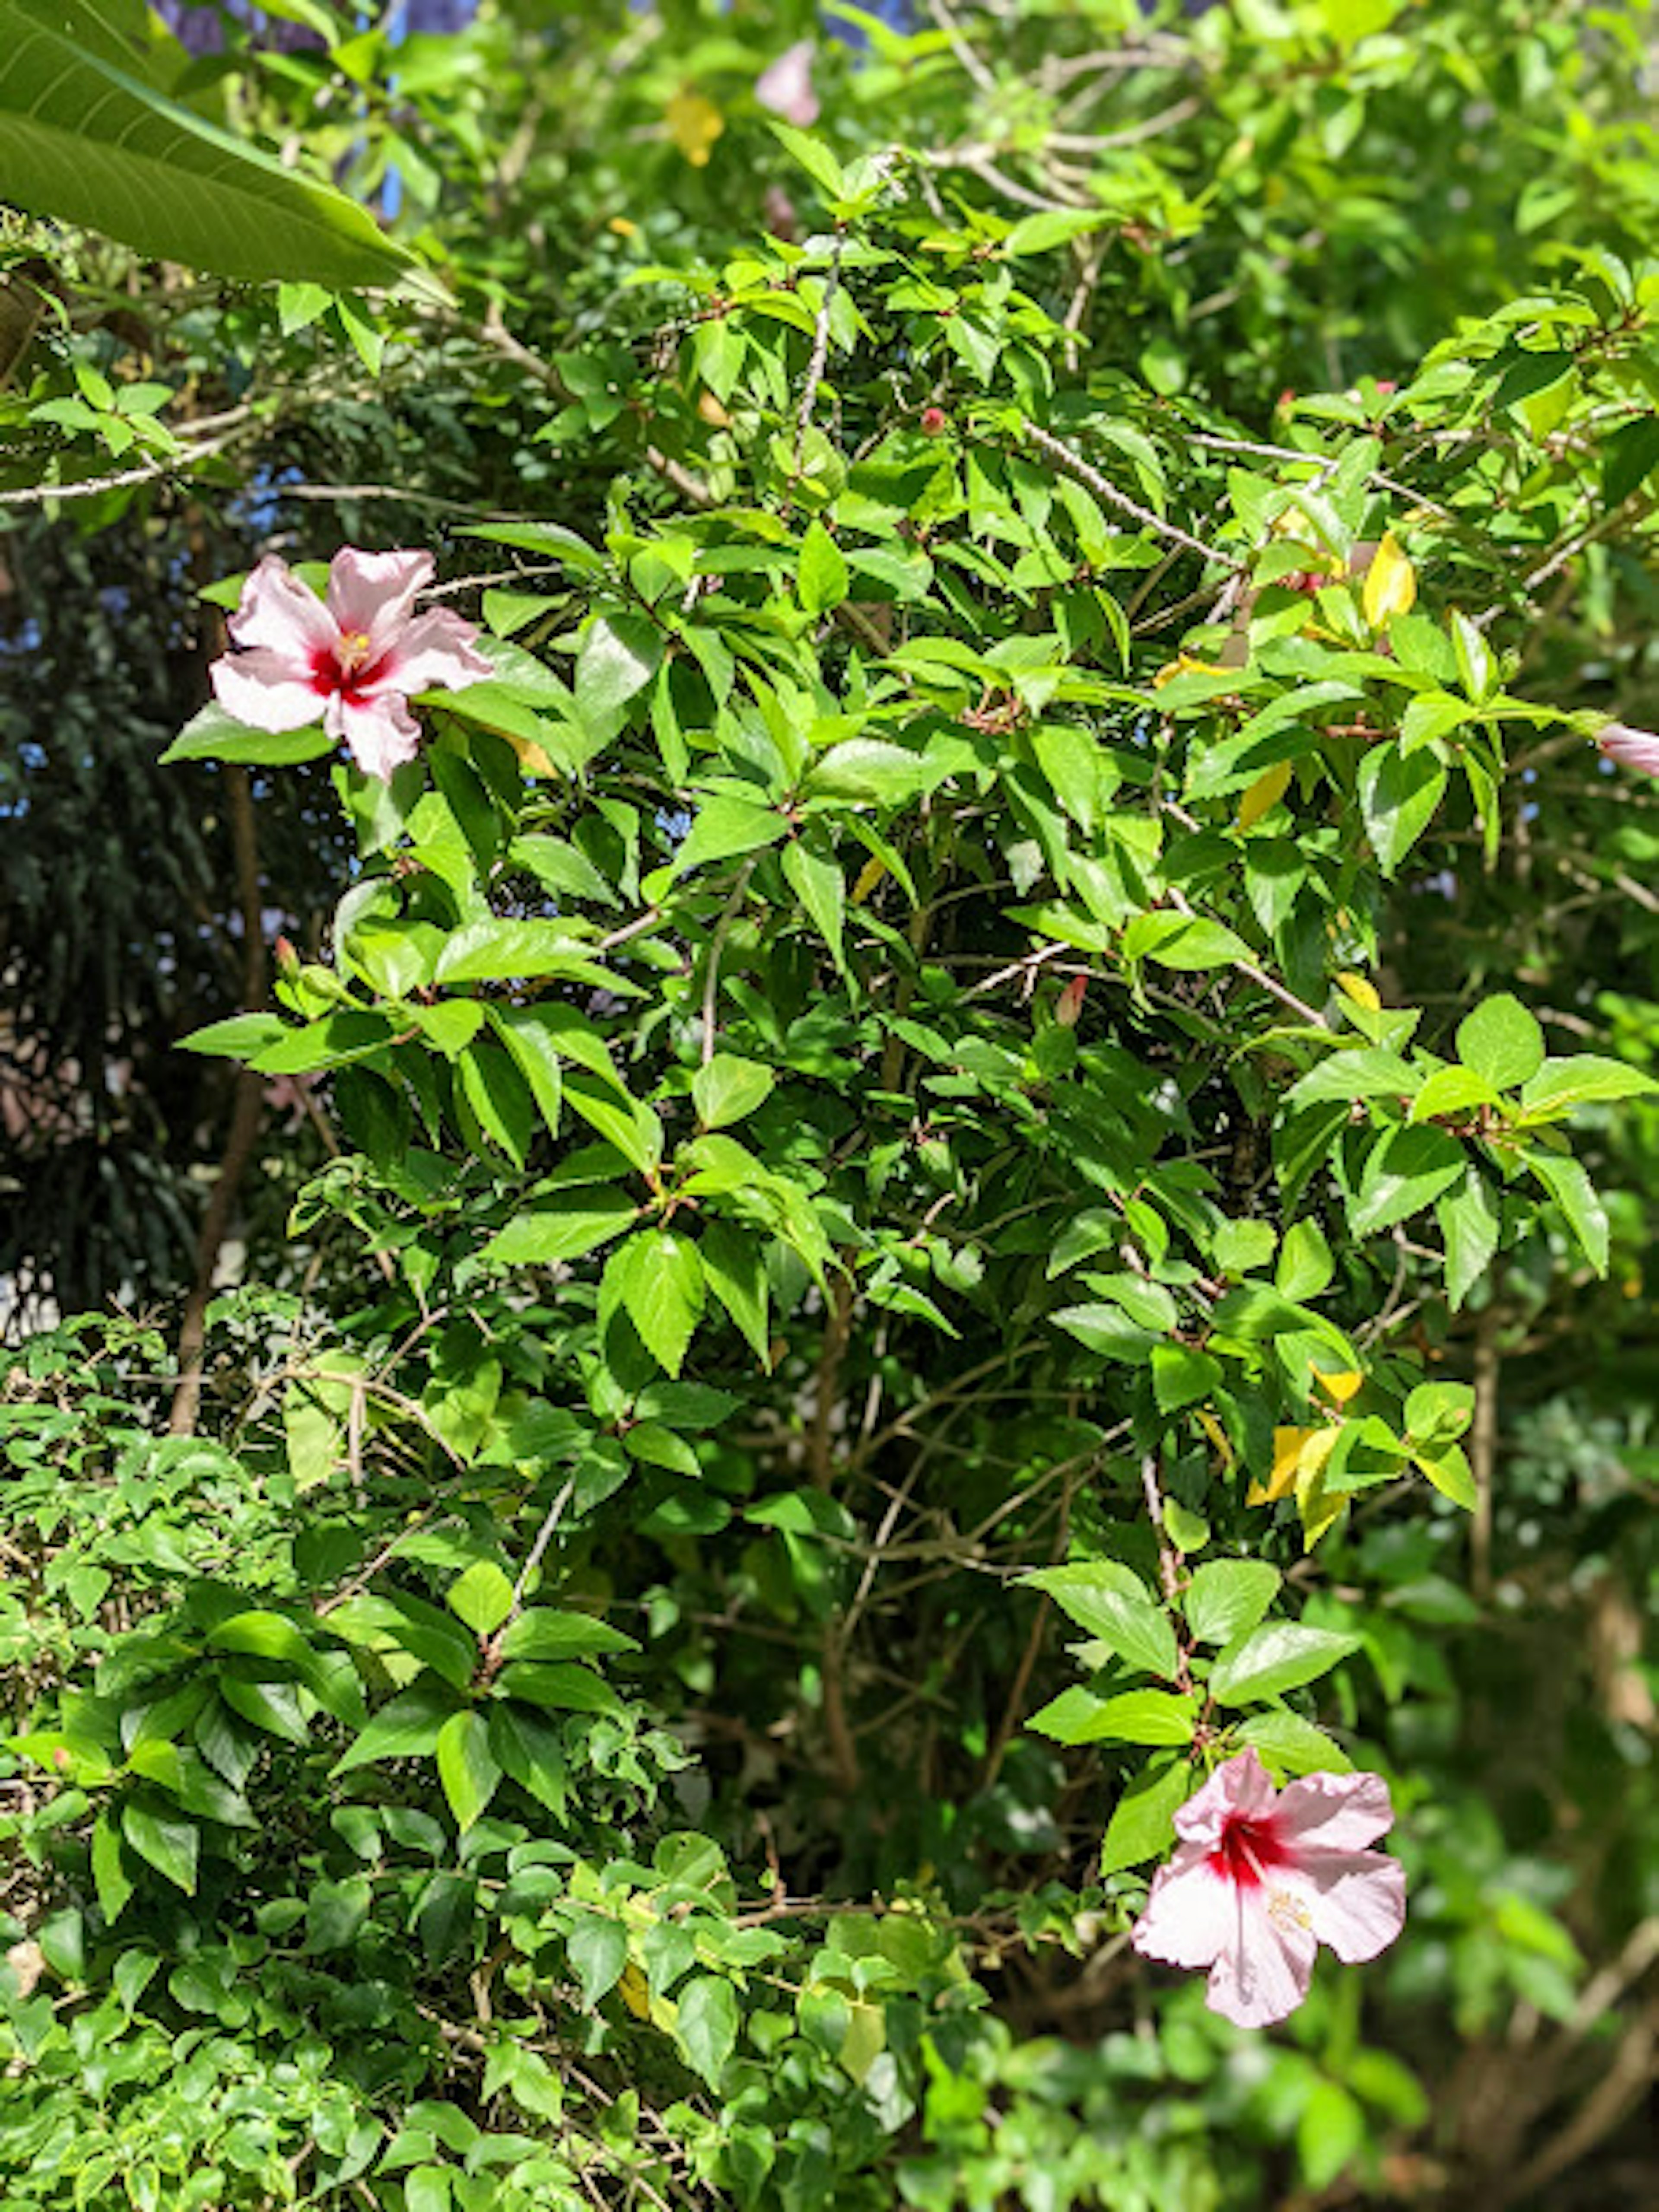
<point>1362,992</point>
<point>531,755</point>
<point>634,1991</point>
<point>1264,793</point>
<point>694,125</point>
<point>1184,665</point>
<point>869,876</point>
<point>1390,583</point>
<point>1218,1436</point>
<point>1298,1455</point>
<point>711,410</point>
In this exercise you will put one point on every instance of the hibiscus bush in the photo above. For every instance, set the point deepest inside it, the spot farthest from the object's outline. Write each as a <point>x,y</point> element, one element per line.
<point>914,776</point>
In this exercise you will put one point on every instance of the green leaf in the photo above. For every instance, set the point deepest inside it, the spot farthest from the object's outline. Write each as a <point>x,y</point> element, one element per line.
<point>821,579</point>
<point>1398,795</point>
<point>1124,1619</point>
<point>482,1597</point>
<point>1182,1377</point>
<point>734,1267</point>
<point>1405,1171</point>
<point>545,1633</point>
<point>1041,234</point>
<point>706,2026</point>
<point>88,141</point>
<point>171,1845</point>
<point>1227,1597</point>
<point>1559,1086</point>
<point>1289,1745</point>
<point>531,1753</point>
<point>466,1766</point>
<point>1475,664</point>
<point>534,1047</point>
<point>726,1090</point>
<point>1629,457</point>
<point>1188,943</point>
<point>814,156</point>
<point>566,1689</point>
<point>1142,1826</point>
<point>1469,1225</point>
<point>1501,1040</point>
<point>336,1912</point>
<point>214,735</point>
<point>499,1097</point>
<point>725,826</point>
<point>1574,1193</point>
<point>1305,1265</point>
<point>575,1224</point>
<point>657,1279</point>
<point>1153,1717</point>
<point>239,1038</point>
<point>597,1951</point>
<point>407,1726</point>
<point>1451,1090</point>
<point>1270,1659</point>
<point>816,878</point>
<point>496,951</point>
<point>620,655</point>
<point>869,769</point>
<point>110,1877</point>
<point>1448,1468</point>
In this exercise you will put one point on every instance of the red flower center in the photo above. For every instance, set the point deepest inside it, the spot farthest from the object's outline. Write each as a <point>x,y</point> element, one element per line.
<point>1247,1851</point>
<point>340,669</point>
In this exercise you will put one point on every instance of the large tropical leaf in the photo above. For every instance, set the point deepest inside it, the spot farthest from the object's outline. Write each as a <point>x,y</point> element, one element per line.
<point>84,137</point>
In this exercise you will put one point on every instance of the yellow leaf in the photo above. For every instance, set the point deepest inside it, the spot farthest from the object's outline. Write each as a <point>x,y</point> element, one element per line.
<point>711,410</point>
<point>1184,665</point>
<point>1264,793</point>
<point>634,1991</point>
<point>1390,583</point>
<point>869,876</point>
<point>531,755</point>
<point>1339,1388</point>
<point>1218,1436</point>
<point>1321,1509</point>
<point>1298,1455</point>
<point>1362,992</point>
<point>694,125</point>
<point>623,227</point>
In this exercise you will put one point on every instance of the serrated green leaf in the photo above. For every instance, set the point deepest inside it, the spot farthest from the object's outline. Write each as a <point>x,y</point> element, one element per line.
<point>1226,1598</point>
<point>1279,1656</point>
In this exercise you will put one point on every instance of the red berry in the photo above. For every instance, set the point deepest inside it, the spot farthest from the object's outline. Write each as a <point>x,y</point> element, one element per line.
<point>934,422</point>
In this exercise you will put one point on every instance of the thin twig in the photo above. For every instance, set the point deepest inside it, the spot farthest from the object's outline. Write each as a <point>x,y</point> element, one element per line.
<point>1073,464</point>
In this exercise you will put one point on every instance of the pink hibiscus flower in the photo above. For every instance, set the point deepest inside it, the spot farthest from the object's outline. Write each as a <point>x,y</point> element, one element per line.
<point>787,86</point>
<point>353,659</point>
<point>1631,747</point>
<point>1261,1877</point>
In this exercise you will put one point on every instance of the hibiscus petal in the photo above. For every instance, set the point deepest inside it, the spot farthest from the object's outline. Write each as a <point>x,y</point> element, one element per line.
<point>1238,1789</point>
<point>1355,1900</point>
<point>278,611</point>
<point>265,689</point>
<point>372,593</point>
<point>1333,1813</point>
<point>1262,1974</point>
<point>787,86</point>
<point>435,652</point>
<point>1638,749</point>
<point>1191,1912</point>
<point>381,732</point>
